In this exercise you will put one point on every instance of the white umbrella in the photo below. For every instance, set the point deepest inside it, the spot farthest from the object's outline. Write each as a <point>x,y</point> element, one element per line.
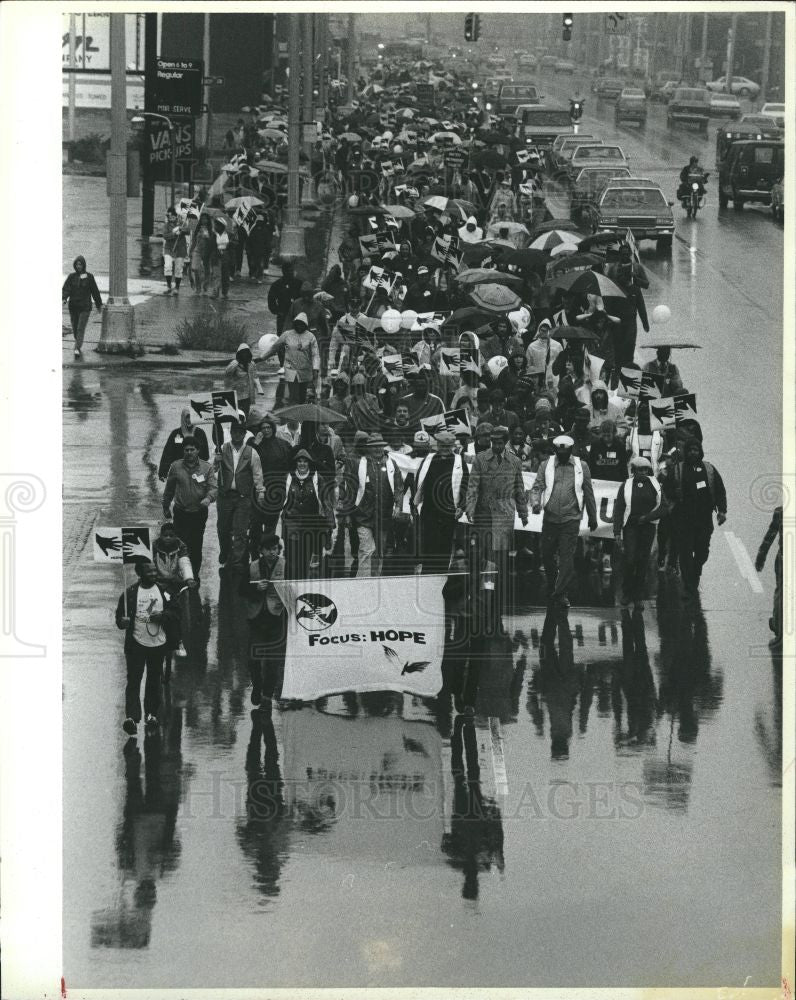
<point>553,239</point>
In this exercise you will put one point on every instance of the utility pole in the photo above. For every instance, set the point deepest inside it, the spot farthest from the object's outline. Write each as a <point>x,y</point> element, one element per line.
<point>731,33</point>
<point>204,132</point>
<point>72,73</point>
<point>349,96</point>
<point>678,47</point>
<point>766,59</point>
<point>703,54</point>
<point>291,244</point>
<point>150,72</point>
<point>118,331</point>
<point>687,67</point>
<point>322,35</point>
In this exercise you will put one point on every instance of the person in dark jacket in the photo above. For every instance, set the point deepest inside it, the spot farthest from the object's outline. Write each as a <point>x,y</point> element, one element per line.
<point>78,291</point>
<point>638,504</point>
<point>281,296</point>
<point>608,455</point>
<point>267,619</point>
<point>173,448</point>
<point>276,459</point>
<point>698,491</point>
<point>145,613</point>
<point>627,309</point>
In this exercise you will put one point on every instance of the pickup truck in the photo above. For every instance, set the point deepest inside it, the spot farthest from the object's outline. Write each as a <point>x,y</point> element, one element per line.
<point>540,125</point>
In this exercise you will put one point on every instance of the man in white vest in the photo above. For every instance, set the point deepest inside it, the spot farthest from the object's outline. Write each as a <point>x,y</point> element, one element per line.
<point>439,498</point>
<point>562,487</point>
<point>378,500</point>
<point>637,506</point>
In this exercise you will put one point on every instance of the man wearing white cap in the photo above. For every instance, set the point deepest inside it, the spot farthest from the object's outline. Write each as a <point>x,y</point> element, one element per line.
<point>638,503</point>
<point>439,497</point>
<point>562,487</point>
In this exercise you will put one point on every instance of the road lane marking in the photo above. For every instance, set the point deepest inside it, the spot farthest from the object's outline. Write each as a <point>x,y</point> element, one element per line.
<point>498,757</point>
<point>744,561</point>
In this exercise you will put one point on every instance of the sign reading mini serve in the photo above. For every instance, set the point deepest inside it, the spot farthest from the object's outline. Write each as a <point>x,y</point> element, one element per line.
<point>384,634</point>
<point>178,87</point>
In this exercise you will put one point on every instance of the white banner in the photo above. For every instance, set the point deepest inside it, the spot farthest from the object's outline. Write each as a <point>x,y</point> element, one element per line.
<point>604,496</point>
<point>376,634</point>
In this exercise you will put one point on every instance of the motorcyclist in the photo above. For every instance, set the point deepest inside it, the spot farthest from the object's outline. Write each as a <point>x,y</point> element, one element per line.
<point>690,173</point>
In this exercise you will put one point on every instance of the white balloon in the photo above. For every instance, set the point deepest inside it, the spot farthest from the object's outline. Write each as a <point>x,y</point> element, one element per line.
<point>353,201</point>
<point>266,342</point>
<point>661,314</point>
<point>496,365</point>
<point>408,319</point>
<point>390,321</point>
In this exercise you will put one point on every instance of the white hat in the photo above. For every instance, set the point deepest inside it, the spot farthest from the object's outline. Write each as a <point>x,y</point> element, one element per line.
<point>563,441</point>
<point>301,318</point>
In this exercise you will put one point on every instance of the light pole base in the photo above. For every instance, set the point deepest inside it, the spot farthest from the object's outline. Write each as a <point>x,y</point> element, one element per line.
<point>118,327</point>
<point>291,243</point>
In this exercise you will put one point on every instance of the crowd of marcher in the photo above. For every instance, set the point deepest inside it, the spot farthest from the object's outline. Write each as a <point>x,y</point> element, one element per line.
<point>464,338</point>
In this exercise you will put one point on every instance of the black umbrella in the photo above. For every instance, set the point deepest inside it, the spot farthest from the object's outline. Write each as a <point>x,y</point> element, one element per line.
<point>600,240</point>
<point>466,316</point>
<point>544,227</point>
<point>570,333</point>
<point>492,138</point>
<point>528,258</point>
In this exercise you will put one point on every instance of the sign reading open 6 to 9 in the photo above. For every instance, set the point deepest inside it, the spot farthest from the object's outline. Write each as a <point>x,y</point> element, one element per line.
<point>178,87</point>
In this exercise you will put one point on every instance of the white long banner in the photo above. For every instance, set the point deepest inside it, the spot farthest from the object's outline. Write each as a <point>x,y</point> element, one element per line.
<point>605,493</point>
<point>380,634</point>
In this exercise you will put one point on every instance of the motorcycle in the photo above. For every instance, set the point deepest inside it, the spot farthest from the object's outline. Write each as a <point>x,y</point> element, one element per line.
<point>692,195</point>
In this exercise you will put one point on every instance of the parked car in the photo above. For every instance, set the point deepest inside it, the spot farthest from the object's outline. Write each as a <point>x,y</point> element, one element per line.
<point>775,111</point>
<point>527,62</point>
<point>778,201</point>
<point>689,106</point>
<point>633,203</point>
<point>513,95</point>
<point>749,171</point>
<point>725,106</point>
<point>591,156</point>
<point>741,86</point>
<point>588,182</point>
<point>548,62</point>
<point>564,66</point>
<point>608,88</point>
<point>631,106</point>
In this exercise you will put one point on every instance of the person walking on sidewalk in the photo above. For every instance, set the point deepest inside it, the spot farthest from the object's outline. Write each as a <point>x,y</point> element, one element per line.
<point>637,506</point>
<point>200,254</point>
<point>302,358</point>
<point>562,487</point>
<point>220,259</point>
<point>175,249</point>
<point>191,488</point>
<point>240,477</point>
<point>146,614</point>
<point>78,291</point>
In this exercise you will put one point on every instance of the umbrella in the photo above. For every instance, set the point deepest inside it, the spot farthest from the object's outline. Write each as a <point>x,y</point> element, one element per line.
<point>554,238</point>
<point>513,228</point>
<point>311,411</point>
<point>495,298</point>
<point>564,249</point>
<point>545,227</point>
<point>445,137</point>
<point>573,333</point>
<point>367,210</point>
<point>569,261</point>
<point>237,202</point>
<point>400,211</point>
<point>483,275</point>
<point>588,283</point>
<point>600,240</point>
<point>467,316</point>
<point>351,137</point>
<point>492,138</point>
<point>488,158</point>
<point>531,259</point>
<point>438,202</point>
<point>652,341</point>
<point>271,133</point>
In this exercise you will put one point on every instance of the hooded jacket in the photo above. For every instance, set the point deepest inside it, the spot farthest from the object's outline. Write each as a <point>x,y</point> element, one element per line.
<point>79,289</point>
<point>173,449</point>
<point>718,492</point>
<point>244,381</point>
<point>471,237</point>
<point>612,410</point>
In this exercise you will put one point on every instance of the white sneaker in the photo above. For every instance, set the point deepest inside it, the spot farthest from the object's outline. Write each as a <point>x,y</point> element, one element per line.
<point>181,650</point>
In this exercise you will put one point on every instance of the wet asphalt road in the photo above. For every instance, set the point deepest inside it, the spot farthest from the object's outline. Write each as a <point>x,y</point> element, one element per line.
<point>621,822</point>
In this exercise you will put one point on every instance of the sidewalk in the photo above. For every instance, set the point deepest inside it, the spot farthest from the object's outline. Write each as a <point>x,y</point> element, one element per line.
<point>157,315</point>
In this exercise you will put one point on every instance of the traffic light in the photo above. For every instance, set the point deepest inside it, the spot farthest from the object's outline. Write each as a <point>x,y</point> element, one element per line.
<point>575,109</point>
<point>566,33</point>
<point>472,27</point>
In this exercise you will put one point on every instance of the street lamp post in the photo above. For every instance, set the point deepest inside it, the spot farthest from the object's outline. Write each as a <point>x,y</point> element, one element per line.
<point>140,119</point>
<point>291,241</point>
<point>118,321</point>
